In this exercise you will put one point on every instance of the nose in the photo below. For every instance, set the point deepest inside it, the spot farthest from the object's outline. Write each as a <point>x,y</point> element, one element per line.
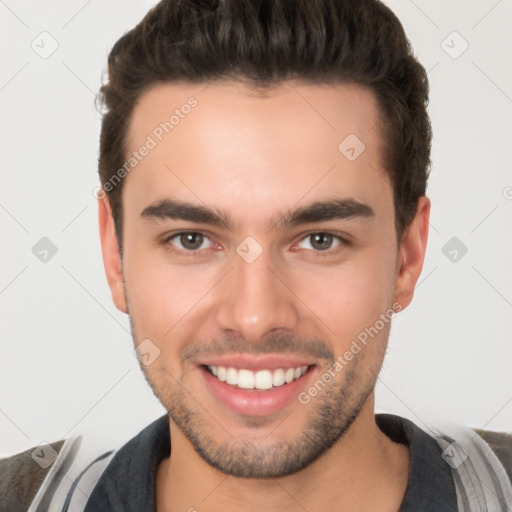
<point>256,300</point>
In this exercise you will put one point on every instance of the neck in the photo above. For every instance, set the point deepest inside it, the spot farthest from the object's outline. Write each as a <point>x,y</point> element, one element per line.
<point>364,470</point>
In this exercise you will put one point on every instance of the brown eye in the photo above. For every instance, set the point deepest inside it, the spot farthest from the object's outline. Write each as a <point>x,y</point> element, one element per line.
<point>320,242</point>
<point>191,241</point>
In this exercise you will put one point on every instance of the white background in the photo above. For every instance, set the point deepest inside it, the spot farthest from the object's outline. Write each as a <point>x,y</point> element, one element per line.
<point>66,353</point>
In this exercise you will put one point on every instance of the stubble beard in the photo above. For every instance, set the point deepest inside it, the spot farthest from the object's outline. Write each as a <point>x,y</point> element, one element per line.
<point>331,412</point>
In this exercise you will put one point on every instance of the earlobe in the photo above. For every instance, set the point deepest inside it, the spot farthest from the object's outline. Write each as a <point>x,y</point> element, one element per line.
<point>111,255</point>
<point>412,254</point>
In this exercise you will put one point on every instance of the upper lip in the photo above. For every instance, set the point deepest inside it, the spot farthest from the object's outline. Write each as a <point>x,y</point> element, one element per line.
<point>256,363</point>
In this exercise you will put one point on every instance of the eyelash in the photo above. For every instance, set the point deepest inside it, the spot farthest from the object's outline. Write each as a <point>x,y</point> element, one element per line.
<point>343,243</point>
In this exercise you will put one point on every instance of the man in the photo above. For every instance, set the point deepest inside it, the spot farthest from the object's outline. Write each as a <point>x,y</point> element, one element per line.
<point>263,168</point>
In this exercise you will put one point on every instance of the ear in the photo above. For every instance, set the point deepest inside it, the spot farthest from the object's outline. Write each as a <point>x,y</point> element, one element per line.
<point>111,254</point>
<point>412,254</point>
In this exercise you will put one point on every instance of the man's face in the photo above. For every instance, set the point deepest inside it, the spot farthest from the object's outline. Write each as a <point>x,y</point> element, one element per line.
<point>265,288</point>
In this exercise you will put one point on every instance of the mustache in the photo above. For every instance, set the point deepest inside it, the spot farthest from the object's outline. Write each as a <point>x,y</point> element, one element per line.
<point>270,344</point>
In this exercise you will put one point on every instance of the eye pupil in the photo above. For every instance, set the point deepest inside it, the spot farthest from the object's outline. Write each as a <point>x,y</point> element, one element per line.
<point>321,241</point>
<point>191,241</point>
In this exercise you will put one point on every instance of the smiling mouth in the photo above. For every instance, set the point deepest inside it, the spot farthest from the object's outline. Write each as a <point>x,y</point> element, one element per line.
<point>260,380</point>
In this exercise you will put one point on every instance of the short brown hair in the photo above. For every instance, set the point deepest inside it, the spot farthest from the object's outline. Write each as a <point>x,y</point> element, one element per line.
<point>262,43</point>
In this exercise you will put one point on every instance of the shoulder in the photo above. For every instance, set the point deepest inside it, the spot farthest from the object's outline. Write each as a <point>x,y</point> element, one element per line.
<point>501,444</point>
<point>22,475</point>
<point>48,477</point>
<point>402,431</point>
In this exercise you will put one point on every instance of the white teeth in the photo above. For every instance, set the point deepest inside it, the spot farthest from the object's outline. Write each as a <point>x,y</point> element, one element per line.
<point>232,376</point>
<point>278,378</point>
<point>245,379</point>
<point>263,379</point>
<point>221,373</point>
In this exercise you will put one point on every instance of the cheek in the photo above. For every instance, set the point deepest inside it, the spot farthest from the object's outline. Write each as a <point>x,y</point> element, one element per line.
<point>162,298</point>
<point>351,296</point>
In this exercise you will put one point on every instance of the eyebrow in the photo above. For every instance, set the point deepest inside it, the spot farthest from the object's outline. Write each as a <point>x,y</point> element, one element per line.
<point>318,211</point>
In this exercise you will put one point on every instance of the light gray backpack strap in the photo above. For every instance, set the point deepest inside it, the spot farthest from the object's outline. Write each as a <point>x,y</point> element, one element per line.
<point>84,483</point>
<point>74,474</point>
<point>481,482</point>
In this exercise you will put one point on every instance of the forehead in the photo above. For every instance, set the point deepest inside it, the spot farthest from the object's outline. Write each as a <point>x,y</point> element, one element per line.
<point>228,146</point>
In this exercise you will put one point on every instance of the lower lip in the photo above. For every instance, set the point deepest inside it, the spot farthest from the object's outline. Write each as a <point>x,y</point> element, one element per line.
<point>254,402</point>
